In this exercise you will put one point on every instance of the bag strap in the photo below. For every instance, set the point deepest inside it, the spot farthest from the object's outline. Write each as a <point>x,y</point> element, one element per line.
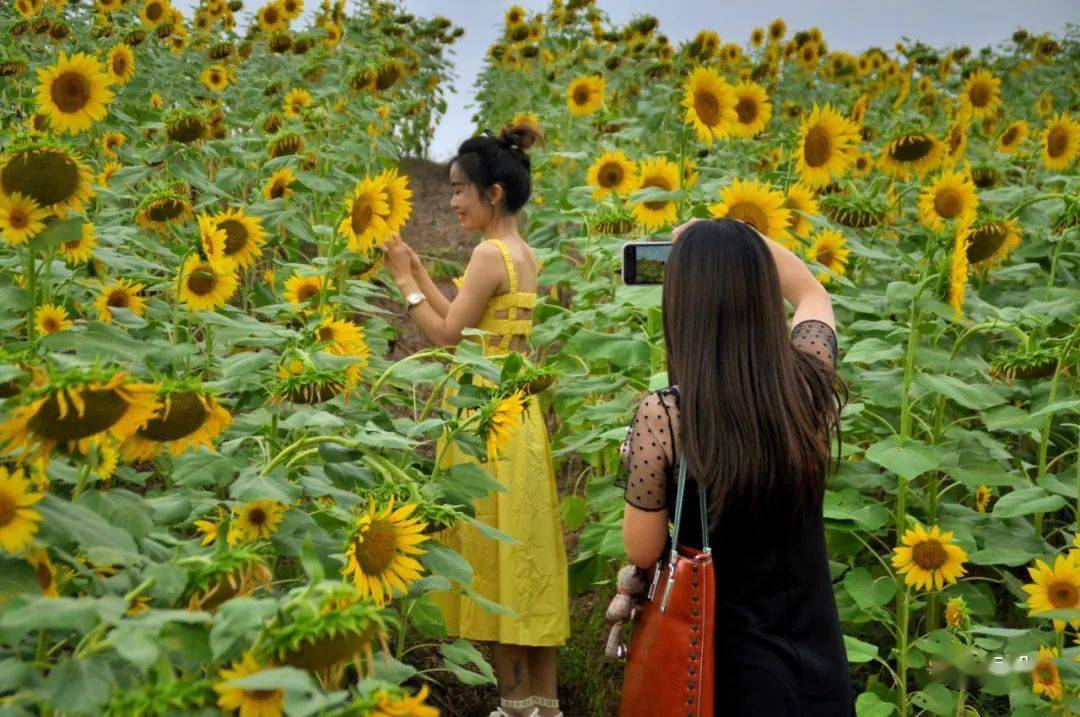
<point>702,504</point>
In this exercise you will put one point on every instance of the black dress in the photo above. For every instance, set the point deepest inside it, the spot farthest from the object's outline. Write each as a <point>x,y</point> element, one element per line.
<point>779,645</point>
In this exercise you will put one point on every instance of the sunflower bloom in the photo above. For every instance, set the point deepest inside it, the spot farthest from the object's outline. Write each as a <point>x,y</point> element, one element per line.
<point>757,204</point>
<point>387,705</point>
<point>250,703</point>
<point>585,95</point>
<point>661,173</point>
<point>612,173</point>
<point>950,197</point>
<point>50,318</point>
<point>710,105</point>
<point>21,219</point>
<point>279,186</point>
<point>828,143</point>
<point>381,548</point>
<point>981,93</point>
<point>18,520</point>
<point>1056,588</point>
<point>505,418</point>
<point>256,520</point>
<point>73,93</point>
<point>1045,678</point>
<point>752,109</point>
<point>121,294</point>
<point>929,559</point>
<point>1060,142</point>
<point>188,419</point>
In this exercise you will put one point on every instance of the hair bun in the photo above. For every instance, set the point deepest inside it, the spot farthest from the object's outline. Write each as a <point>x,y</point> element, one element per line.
<point>520,136</point>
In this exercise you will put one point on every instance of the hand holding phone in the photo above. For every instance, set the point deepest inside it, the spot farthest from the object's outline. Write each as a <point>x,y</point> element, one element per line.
<point>644,261</point>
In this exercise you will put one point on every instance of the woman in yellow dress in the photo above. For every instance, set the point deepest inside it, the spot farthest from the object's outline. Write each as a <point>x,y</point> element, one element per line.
<point>490,181</point>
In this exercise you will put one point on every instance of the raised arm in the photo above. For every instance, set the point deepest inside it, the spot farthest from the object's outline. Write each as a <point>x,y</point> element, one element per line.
<point>431,291</point>
<point>483,275</point>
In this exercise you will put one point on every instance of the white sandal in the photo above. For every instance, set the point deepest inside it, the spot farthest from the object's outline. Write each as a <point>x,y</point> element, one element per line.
<point>503,702</point>
<point>547,702</point>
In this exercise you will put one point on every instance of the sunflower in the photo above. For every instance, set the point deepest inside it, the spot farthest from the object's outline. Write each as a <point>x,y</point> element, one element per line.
<point>209,529</point>
<point>73,92</point>
<point>207,284</point>
<point>250,702</point>
<point>44,570</point>
<point>332,36</point>
<point>757,204</point>
<point>956,139</point>
<point>299,290</point>
<point>121,294</point>
<point>800,202</point>
<point>981,93</point>
<point>18,521</point>
<point>76,408</point>
<point>346,339</point>
<point>752,108</point>
<point>1045,678</point>
<point>82,249</point>
<point>50,318</point>
<point>958,272</point>
<point>911,153</point>
<point>957,614</point>
<point>163,208</point>
<point>215,77</point>
<point>529,119</point>
<point>1060,142</point>
<point>110,142</point>
<point>295,101</point>
<point>271,17</point>
<point>120,64</point>
<point>398,198</point>
<point>155,12</point>
<point>828,248</point>
<point>279,185</point>
<point>710,104</point>
<point>380,549</point>
<point>661,173</point>
<point>1045,104</point>
<point>950,197</point>
<point>504,419</point>
<point>1056,588</point>
<point>777,29</point>
<point>809,55</point>
<point>827,145</point>
<point>982,498</point>
<point>255,520</point>
<point>368,208</point>
<point>1013,136</point>
<point>389,705</point>
<point>612,173</point>
<point>21,219</point>
<point>929,559</point>
<point>243,239</point>
<point>292,8</point>
<point>585,95</point>
<point>990,240</point>
<point>190,417</point>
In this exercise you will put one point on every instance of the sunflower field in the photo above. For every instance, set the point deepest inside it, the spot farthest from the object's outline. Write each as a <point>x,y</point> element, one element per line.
<point>220,482</point>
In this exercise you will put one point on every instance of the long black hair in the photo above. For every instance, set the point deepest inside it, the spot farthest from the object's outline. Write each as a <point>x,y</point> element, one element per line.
<point>488,160</point>
<point>755,411</point>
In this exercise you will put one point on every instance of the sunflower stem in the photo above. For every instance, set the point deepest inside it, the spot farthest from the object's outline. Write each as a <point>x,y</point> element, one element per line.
<point>1044,438</point>
<point>31,288</point>
<point>426,353</point>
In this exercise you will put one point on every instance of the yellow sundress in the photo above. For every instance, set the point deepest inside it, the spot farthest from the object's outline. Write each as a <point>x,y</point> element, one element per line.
<point>529,576</point>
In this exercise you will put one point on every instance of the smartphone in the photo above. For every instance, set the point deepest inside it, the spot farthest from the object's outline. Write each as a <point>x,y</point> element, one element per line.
<point>643,262</point>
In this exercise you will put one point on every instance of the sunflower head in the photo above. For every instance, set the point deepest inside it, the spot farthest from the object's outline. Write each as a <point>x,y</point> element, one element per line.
<point>74,92</point>
<point>710,104</point>
<point>929,559</point>
<point>48,173</point>
<point>164,206</point>
<point>585,95</point>
<point>185,126</point>
<point>380,550</point>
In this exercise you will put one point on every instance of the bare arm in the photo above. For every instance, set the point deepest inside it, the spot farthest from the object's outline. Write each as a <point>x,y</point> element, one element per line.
<point>431,291</point>
<point>482,280</point>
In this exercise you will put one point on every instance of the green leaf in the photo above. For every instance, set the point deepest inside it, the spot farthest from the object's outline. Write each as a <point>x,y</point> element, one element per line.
<point>870,705</point>
<point>313,567</point>
<point>386,667</point>
<point>57,233</point>
<point>68,522</point>
<point>490,531</point>
<point>449,563</point>
<point>910,460</point>
<point>873,350</point>
<point>80,686</point>
<point>461,654</point>
<point>427,618</point>
<point>489,605</point>
<point>866,591</point>
<point>937,698</point>
<point>1011,556</point>
<point>237,621</point>
<point>859,651</point>
<point>974,396</point>
<point>656,194</point>
<point>575,510</point>
<point>1026,501</point>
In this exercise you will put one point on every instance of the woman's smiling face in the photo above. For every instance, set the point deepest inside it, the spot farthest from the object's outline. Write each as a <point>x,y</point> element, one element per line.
<point>473,212</point>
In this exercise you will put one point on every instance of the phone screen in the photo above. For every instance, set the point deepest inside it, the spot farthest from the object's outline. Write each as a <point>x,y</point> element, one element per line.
<point>644,262</point>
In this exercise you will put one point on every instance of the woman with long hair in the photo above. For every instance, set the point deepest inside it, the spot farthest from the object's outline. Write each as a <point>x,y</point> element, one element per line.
<point>753,407</point>
<point>490,179</point>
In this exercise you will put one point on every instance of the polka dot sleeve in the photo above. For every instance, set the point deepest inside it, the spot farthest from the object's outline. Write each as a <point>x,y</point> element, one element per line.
<point>646,455</point>
<point>817,339</point>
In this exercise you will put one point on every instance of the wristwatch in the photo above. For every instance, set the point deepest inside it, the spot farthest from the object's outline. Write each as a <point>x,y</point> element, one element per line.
<point>413,298</point>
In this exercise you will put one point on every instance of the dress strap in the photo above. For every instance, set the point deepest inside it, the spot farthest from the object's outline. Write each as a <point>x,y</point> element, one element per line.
<point>509,263</point>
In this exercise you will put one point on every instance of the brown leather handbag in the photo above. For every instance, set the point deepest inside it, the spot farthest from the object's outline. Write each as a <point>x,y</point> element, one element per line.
<point>669,662</point>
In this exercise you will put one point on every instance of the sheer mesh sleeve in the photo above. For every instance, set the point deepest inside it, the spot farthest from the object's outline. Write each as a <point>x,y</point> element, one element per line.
<point>646,455</point>
<point>816,338</point>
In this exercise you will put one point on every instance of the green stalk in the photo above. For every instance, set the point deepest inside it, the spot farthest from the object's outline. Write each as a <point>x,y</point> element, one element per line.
<point>31,288</point>
<point>1044,438</point>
